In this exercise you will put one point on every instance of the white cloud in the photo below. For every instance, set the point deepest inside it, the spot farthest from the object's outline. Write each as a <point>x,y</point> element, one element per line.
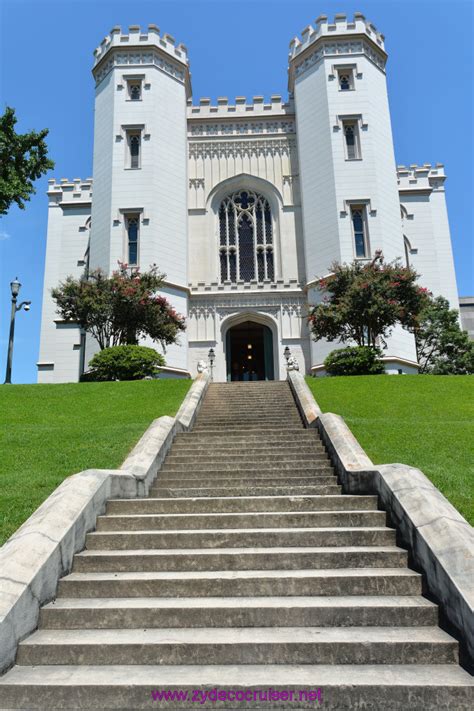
<point>4,235</point>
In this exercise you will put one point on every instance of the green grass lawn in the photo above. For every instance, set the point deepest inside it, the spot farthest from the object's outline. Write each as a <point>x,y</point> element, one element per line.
<point>424,421</point>
<point>48,432</point>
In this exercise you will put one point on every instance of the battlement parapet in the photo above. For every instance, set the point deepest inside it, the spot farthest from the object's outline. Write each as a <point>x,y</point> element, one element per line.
<point>65,190</point>
<point>340,26</point>
<point>255,107</point>
<point>420,177</point>
<point>137,37</point>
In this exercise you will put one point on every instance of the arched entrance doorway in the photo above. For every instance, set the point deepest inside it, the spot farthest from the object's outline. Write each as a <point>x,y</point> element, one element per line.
<point>249,352</point>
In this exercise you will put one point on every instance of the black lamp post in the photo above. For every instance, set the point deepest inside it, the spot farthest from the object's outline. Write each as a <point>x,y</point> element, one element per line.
<point>287,354</point>
<point>15,287</point>
<point>212,356</point>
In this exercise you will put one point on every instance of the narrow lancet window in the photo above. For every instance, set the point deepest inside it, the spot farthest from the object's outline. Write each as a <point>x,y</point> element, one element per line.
<point>350,136</point>
<point>132,226</point>
<point>359,231</point>
<point>134,143</point>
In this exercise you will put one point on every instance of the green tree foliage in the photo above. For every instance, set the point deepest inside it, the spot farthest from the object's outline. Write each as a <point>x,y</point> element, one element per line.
<point>355,360</point>
<point>121,308</point>
<point>442,347</point>
<point>124,363</point>
<point>363,301</point>
<point>23,159</point>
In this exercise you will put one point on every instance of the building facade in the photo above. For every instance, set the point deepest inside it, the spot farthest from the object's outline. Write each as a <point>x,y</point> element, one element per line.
<point>243,204</point>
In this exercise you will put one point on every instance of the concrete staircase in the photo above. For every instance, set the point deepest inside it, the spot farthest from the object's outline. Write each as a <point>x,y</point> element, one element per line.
<point>245,568</point>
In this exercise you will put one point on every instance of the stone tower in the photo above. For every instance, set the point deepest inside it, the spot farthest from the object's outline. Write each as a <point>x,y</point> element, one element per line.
<point>139,210</point>
<point>351,205</point>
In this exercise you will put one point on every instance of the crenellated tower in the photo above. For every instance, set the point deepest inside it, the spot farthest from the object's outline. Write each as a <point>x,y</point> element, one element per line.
<point>350,199</point>
<point>139,206</point>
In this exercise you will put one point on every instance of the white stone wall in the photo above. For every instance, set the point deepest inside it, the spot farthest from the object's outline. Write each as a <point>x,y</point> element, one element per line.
<point>425,224</point>
<point>67,241</point>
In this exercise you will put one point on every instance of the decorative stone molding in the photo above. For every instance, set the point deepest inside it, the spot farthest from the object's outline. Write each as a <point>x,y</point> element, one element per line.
<point>149,57</point>
<point>196,182</point>
<point>231,149</point>
<point>327,48</point>
<point>239,128</point>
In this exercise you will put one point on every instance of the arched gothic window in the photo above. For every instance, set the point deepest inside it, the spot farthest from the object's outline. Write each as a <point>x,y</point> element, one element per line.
<point>246,238</point>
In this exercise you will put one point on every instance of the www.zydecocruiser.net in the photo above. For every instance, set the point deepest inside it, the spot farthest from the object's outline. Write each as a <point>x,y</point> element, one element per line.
<point>203,696</point>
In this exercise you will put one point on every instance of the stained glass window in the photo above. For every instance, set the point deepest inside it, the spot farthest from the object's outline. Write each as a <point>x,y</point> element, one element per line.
<point>245,234</point>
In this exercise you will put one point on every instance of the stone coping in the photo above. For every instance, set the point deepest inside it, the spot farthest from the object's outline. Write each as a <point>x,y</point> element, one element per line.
<point>42,550</point>
<point>440,539</point>
<point>307,405</point>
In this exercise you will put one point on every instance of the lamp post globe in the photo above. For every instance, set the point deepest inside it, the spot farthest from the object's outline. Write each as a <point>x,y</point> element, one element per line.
<point>15,287</point>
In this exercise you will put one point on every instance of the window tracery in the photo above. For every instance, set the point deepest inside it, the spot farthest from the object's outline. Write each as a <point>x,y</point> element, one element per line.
<point>246,238</point>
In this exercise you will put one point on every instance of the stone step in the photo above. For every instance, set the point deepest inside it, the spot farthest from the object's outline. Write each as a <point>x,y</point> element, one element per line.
<point>251,403</point>
<point>245,491</point>
<point>275,645</point>
<point>148,613</point>
<point>263,538</point>
<point>229,449</point>
<point>293,434</point>
<point>244,433</point>
<point>236,583</point>
<point>342,686</point>
<point>244,425</point>
<point>239,559</point>
<point>267,406</point>
<point>235,420</point>
<point>245,458</point>
<point>285,519</point>
<point>230,504</point>
<point>222,479</point>
<point>259,426</point>
<point>303,468</point>
<point>232,410</point>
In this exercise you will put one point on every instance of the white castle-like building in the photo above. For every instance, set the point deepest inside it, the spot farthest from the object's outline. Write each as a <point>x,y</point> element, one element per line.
<point>243,204</point>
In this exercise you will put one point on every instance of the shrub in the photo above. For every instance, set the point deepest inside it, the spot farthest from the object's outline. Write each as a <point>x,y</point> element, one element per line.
<point>124,363</point>
<point>356,360</point>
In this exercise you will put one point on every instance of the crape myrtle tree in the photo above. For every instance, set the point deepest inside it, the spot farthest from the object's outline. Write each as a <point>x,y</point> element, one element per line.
<point>23,159</point>
<point>443,348</point>
<point>363,301</point>
<point>121,308</point>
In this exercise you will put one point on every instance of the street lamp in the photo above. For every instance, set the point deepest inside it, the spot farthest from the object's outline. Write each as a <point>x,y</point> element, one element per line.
<point>212,356</point>
<point>15,287</point>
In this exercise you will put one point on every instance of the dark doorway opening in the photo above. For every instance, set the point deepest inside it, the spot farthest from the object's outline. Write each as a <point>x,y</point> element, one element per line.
<point>249,351</point>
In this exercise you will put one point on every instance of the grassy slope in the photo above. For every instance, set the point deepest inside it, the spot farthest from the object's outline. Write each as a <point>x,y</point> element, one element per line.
<point>425,421</point>
<point>48,432</point>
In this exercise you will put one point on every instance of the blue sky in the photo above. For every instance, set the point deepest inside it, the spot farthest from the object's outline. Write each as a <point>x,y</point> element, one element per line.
<point>236,49</point>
